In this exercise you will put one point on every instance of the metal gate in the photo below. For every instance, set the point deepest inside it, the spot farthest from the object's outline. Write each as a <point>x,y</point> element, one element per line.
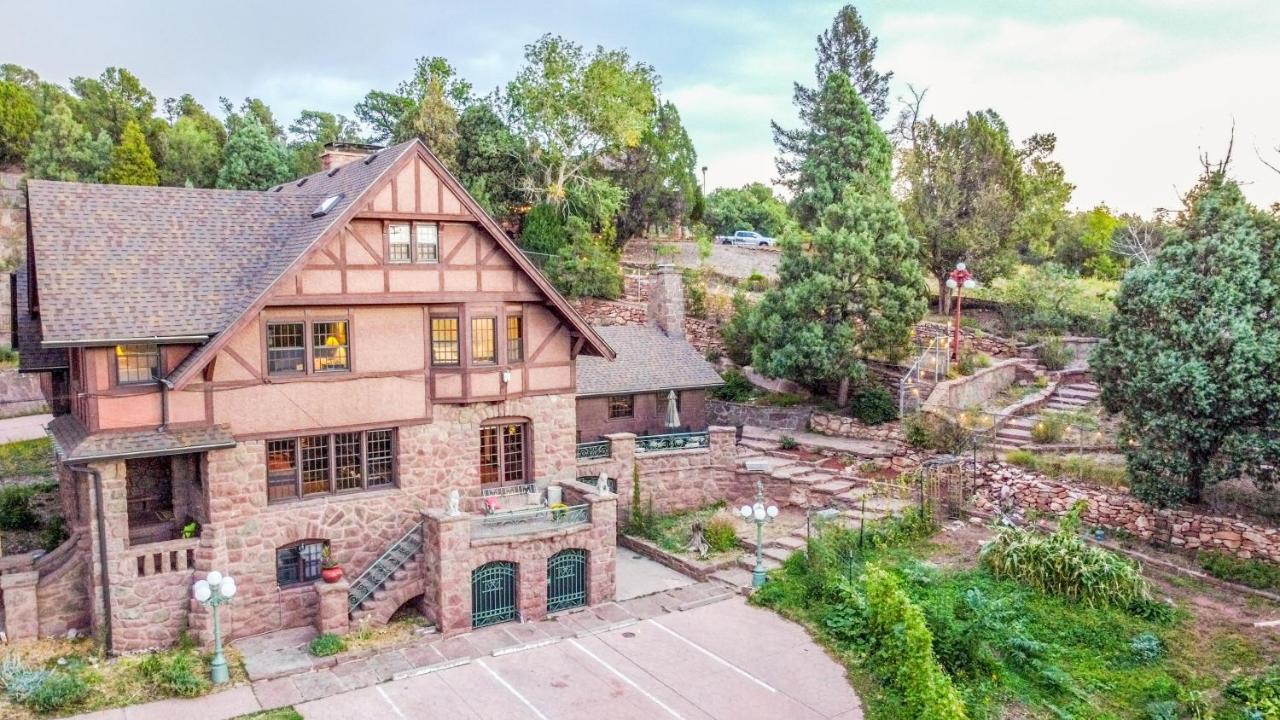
<point>566,580</point>
<point>493,593</point>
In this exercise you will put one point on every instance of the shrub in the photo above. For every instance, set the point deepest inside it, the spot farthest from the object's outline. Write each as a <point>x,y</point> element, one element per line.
<point>1053,354</point>
<point>736,387</point>
<point>928,431</point>
<point>1023,459</point>
<point>20,682</point>
<point>60,690</point>
<point>173,673</point>
<point>1049,428</point>
<point>714,355</point>
<point>8,356</point>
<point>585,268</point>
<point>695,292</point>
<point>53,534</point>
<point>543,229</point>
<point>326,644</point>
<point>873,405</point>
<point>15,508</point>
<point>1073,466</point>
<point>1163,710</point>
<point>1063,564</point>
<point>720,534</point>
<point>786,442</point>
<point>1146,648</point>
<point>755,282</point>
<point>1254,573</point>
<point>900,650</point>
<point>736,333</point>
<point>1259,695</point>
<point>781,399</point>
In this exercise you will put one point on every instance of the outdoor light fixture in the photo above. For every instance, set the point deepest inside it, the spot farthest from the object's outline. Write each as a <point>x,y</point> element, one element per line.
<point>959,280</point>
<point>759,514</point>
<point>214,590</point>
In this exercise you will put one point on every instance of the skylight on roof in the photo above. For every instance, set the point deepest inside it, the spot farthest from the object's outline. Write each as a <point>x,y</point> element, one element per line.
<point>324,207</point>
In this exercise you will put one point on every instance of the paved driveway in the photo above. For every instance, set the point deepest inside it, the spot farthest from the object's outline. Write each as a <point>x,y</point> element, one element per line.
<point>723,660</point>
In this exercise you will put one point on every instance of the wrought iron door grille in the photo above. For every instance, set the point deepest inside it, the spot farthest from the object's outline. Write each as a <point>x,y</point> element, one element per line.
<point>493,594</point>
<point>567,580</point>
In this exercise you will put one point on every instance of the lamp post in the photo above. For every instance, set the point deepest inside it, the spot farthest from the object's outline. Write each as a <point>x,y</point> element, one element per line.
<point>704,179</point>
<point>959,280</point>
<point>212,592</point>
<point>759,514</point>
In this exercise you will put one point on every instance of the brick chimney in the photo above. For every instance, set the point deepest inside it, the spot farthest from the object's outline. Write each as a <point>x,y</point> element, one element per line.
<point>340,153</point>
<point>666,302</point>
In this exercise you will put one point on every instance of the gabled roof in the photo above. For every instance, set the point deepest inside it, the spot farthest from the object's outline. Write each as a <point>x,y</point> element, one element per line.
<point>32,357</point>
<point>117,263</point>
<point>648,361</point>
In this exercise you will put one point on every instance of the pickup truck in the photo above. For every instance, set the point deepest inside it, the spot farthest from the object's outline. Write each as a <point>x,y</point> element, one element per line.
<point>745,237</point>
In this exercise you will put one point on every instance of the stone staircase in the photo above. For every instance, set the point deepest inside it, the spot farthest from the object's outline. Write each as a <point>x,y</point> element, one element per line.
<point>1017,431</point>
<point>391,580</point>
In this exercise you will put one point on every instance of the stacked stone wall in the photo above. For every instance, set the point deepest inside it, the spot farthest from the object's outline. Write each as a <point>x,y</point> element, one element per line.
<point>842,426</point>
<point>702,334</point>
<point>795,418</point>
<point>19,394</point>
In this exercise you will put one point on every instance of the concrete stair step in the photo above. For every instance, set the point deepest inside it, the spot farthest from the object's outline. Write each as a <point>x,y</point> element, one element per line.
<point>790,542</point>
<point>853,495</point>
<point>1078,393</point>
<point>1014,433</point>
<point>787,472</point>
<point>853,518</point>
<point>734,577</point>
<point>779,554</point>
<point>748,563</point>
<point>833,487</point>
<point>1021,421</point>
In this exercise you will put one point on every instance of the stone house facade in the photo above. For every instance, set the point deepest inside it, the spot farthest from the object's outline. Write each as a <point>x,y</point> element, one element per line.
<point>355,368</point>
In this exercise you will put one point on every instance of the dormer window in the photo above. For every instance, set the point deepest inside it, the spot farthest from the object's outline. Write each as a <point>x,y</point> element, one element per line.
<point>417,242</point>
<point>137,363</point>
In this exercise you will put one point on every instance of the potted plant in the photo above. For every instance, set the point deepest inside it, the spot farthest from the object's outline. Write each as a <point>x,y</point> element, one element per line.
<point>330,570</point>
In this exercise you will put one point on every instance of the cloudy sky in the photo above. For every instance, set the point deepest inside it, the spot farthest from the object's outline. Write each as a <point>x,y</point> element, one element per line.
<point>1135,90</point>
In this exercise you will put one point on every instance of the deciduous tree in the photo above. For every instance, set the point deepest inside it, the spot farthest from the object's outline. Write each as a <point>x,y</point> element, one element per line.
<point>62,149</point>
<point>750,207</point>
<point>131,162</point>
<point>658,175</point>
<point>18,121</point>
<point>1192,355</point>
<point>492,161</point>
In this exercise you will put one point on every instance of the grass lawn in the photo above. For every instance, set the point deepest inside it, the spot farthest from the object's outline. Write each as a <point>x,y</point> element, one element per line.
<point>284,713</point>
<point>1013,652</point>
<point>26,458</point>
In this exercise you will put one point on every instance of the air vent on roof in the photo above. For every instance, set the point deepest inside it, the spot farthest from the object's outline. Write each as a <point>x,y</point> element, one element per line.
<point>327,205</point>
<point>371,158</point>
<point>278,188</point>
<point>302,182</point>
<point>334,171</point>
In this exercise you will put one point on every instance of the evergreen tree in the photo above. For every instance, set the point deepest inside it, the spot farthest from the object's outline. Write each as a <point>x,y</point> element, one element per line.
<point>1192,355</point>
<point>840,144</point>
<point>61,149</point>
<point>192,155</point>
<point>658,175</point>
<point>436,123</point>
<point>18,121</point>
<point>492,161</point>
<point>131,162</point>
<point>111,101</point>
<point>252,160</point>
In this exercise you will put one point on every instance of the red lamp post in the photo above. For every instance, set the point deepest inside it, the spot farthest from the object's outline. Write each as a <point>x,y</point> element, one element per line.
<point>959,280</point>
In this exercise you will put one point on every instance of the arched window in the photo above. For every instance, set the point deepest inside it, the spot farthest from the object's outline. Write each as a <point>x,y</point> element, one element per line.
<point>300,562</point>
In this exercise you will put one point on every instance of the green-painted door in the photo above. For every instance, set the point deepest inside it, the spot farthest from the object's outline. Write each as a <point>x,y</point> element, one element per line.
<point>567,580</point>
<point>493,594</point>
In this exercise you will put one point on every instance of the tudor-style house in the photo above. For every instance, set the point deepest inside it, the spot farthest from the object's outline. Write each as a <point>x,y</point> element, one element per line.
<point>355,368</point>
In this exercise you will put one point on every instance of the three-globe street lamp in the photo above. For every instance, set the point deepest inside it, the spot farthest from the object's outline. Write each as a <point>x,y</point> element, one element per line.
<point>759,514</point>
<point>212,592</point>
<point>959,280</point>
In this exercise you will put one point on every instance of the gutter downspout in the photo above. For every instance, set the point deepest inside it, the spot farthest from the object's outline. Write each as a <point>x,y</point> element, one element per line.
<point>102,548</point>
<point>164,407</point>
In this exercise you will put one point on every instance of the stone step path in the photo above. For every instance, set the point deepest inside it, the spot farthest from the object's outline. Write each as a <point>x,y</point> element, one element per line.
<point>1066,398</point>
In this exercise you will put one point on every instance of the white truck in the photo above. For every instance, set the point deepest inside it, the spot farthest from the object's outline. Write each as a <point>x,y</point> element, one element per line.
<point>746,237</point>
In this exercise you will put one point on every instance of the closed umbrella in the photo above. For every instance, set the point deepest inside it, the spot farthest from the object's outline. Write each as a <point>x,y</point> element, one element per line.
<point>673,412</point>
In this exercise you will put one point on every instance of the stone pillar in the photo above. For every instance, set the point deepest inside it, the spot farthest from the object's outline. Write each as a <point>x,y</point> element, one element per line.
<point>622,448</point>
<point>332,616</point>
<point>21,608</point>
<point>604,546</point>
<point>666,302</point>
<point>531,592</point>
<point>448,561</point>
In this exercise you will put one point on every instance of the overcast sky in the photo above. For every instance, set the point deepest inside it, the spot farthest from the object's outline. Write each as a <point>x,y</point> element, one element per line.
<point>1135,89</point>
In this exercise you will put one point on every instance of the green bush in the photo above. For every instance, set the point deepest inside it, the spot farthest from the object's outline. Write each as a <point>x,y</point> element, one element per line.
<point>928,431</point>
<point>1053,354</point>
<point>326,644</point>
<point>1046,298</point>
<point>755,282</point>
<point>1077,467</point>
<point>1254,573</point>
<point>720,534</point>
<point>15,508</point>
<point>177,672</point>
<point>1146,648</point>
<point>585,268</point>
<point>736,333</point>
<point>873,405</point>
<point>900,650</point>
<point>543,229</point>
<point>1023,459</point>
<point>786,442</point>
<point>1050,428</point>
<point>781,399</point>
<point>60,690</point>
<point>1259,695</point>
<point>1063,564</point>
<point>736,387</point>
<point>8,356</point>
<point>53,534</point>
<point>695,292</point>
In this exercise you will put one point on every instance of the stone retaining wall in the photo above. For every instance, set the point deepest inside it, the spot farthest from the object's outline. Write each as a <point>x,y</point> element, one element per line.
<point>1008,488</point>
<point>954,395</point>
<point>672,479</point>
<point>795,418</point>
<point>19,394</point>
<point>701,334</point>
<point>842,426</point>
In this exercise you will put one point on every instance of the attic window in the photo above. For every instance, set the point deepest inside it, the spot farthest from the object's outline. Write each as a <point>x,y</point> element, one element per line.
<point>371,158</point>
<point>324,207</point>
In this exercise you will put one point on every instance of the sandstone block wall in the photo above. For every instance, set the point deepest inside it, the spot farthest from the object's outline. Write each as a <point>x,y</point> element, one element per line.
<point>721,412</point>
<point>841,426</point>
<point>673,479</point>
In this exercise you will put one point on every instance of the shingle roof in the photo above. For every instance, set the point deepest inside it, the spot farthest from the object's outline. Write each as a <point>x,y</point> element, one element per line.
<point>74,444</point>
<point>31,356</point>
<point>647,361</point>
<point>118,262</point>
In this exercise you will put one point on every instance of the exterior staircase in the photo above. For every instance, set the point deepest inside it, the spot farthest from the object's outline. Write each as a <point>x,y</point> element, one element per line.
<point>1016,432</point>
<point>391,580</point>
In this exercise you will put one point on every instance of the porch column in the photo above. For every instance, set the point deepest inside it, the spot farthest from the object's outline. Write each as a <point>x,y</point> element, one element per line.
<point>623,453</point>
<point>604,548</point>
<point>333,616</point>
<point>21,608</point>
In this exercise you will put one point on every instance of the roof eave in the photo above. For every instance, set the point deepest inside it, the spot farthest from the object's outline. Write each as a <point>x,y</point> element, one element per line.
<point>105,342</point>
<point>664,388</point>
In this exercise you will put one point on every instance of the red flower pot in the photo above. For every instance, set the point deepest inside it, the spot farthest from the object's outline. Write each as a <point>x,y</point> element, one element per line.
<point>331,575</point>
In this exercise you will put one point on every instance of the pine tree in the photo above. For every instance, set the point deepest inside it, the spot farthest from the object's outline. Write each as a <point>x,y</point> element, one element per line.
<point>192,155</point>
<point>252,160</point>
<point>1192,355</point>
<point>840,145</point>
<point>61,149</point>
<point>131,162</point>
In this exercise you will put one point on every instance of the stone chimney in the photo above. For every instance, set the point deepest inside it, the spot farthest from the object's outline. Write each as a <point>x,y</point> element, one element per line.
<point>338,154</point>
<point>666,302</point>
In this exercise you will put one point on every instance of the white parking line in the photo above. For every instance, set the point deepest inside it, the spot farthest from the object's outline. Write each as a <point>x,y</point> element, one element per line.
<point>713,656</point>
<point>394,707</point>
<point>512,690</point>
<point>626,679</point>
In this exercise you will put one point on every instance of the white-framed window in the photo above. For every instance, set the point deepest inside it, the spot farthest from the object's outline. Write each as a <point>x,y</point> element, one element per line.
<point>426,237</point>
<point>399,247</point>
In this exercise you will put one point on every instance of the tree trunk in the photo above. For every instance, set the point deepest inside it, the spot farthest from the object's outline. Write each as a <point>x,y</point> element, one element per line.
<point>1195,485</point>
<point>842,394</point>
<point>944,297</point>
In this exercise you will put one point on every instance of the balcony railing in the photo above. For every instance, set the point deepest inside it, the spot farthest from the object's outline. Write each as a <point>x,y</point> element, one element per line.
<point>596,450</point>
<point>523,522</point>
<point>673,441</point>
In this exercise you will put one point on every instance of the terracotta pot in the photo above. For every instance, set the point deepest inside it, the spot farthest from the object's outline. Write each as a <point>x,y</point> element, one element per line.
<point>331,575</point>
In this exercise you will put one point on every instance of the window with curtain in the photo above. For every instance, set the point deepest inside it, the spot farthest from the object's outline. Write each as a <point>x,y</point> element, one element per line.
<point>137,363</point>
<point>484,349</point>
<point>444,341</point>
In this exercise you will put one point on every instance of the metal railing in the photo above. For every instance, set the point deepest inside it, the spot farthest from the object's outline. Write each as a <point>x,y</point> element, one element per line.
<point>673,441</point>
<point>521,522</point>
<point>930,366</point>
<point>395,557</point>
<point>596,450</point>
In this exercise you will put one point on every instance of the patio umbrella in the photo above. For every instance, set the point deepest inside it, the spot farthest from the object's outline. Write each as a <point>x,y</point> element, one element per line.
<point>673,412</point>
